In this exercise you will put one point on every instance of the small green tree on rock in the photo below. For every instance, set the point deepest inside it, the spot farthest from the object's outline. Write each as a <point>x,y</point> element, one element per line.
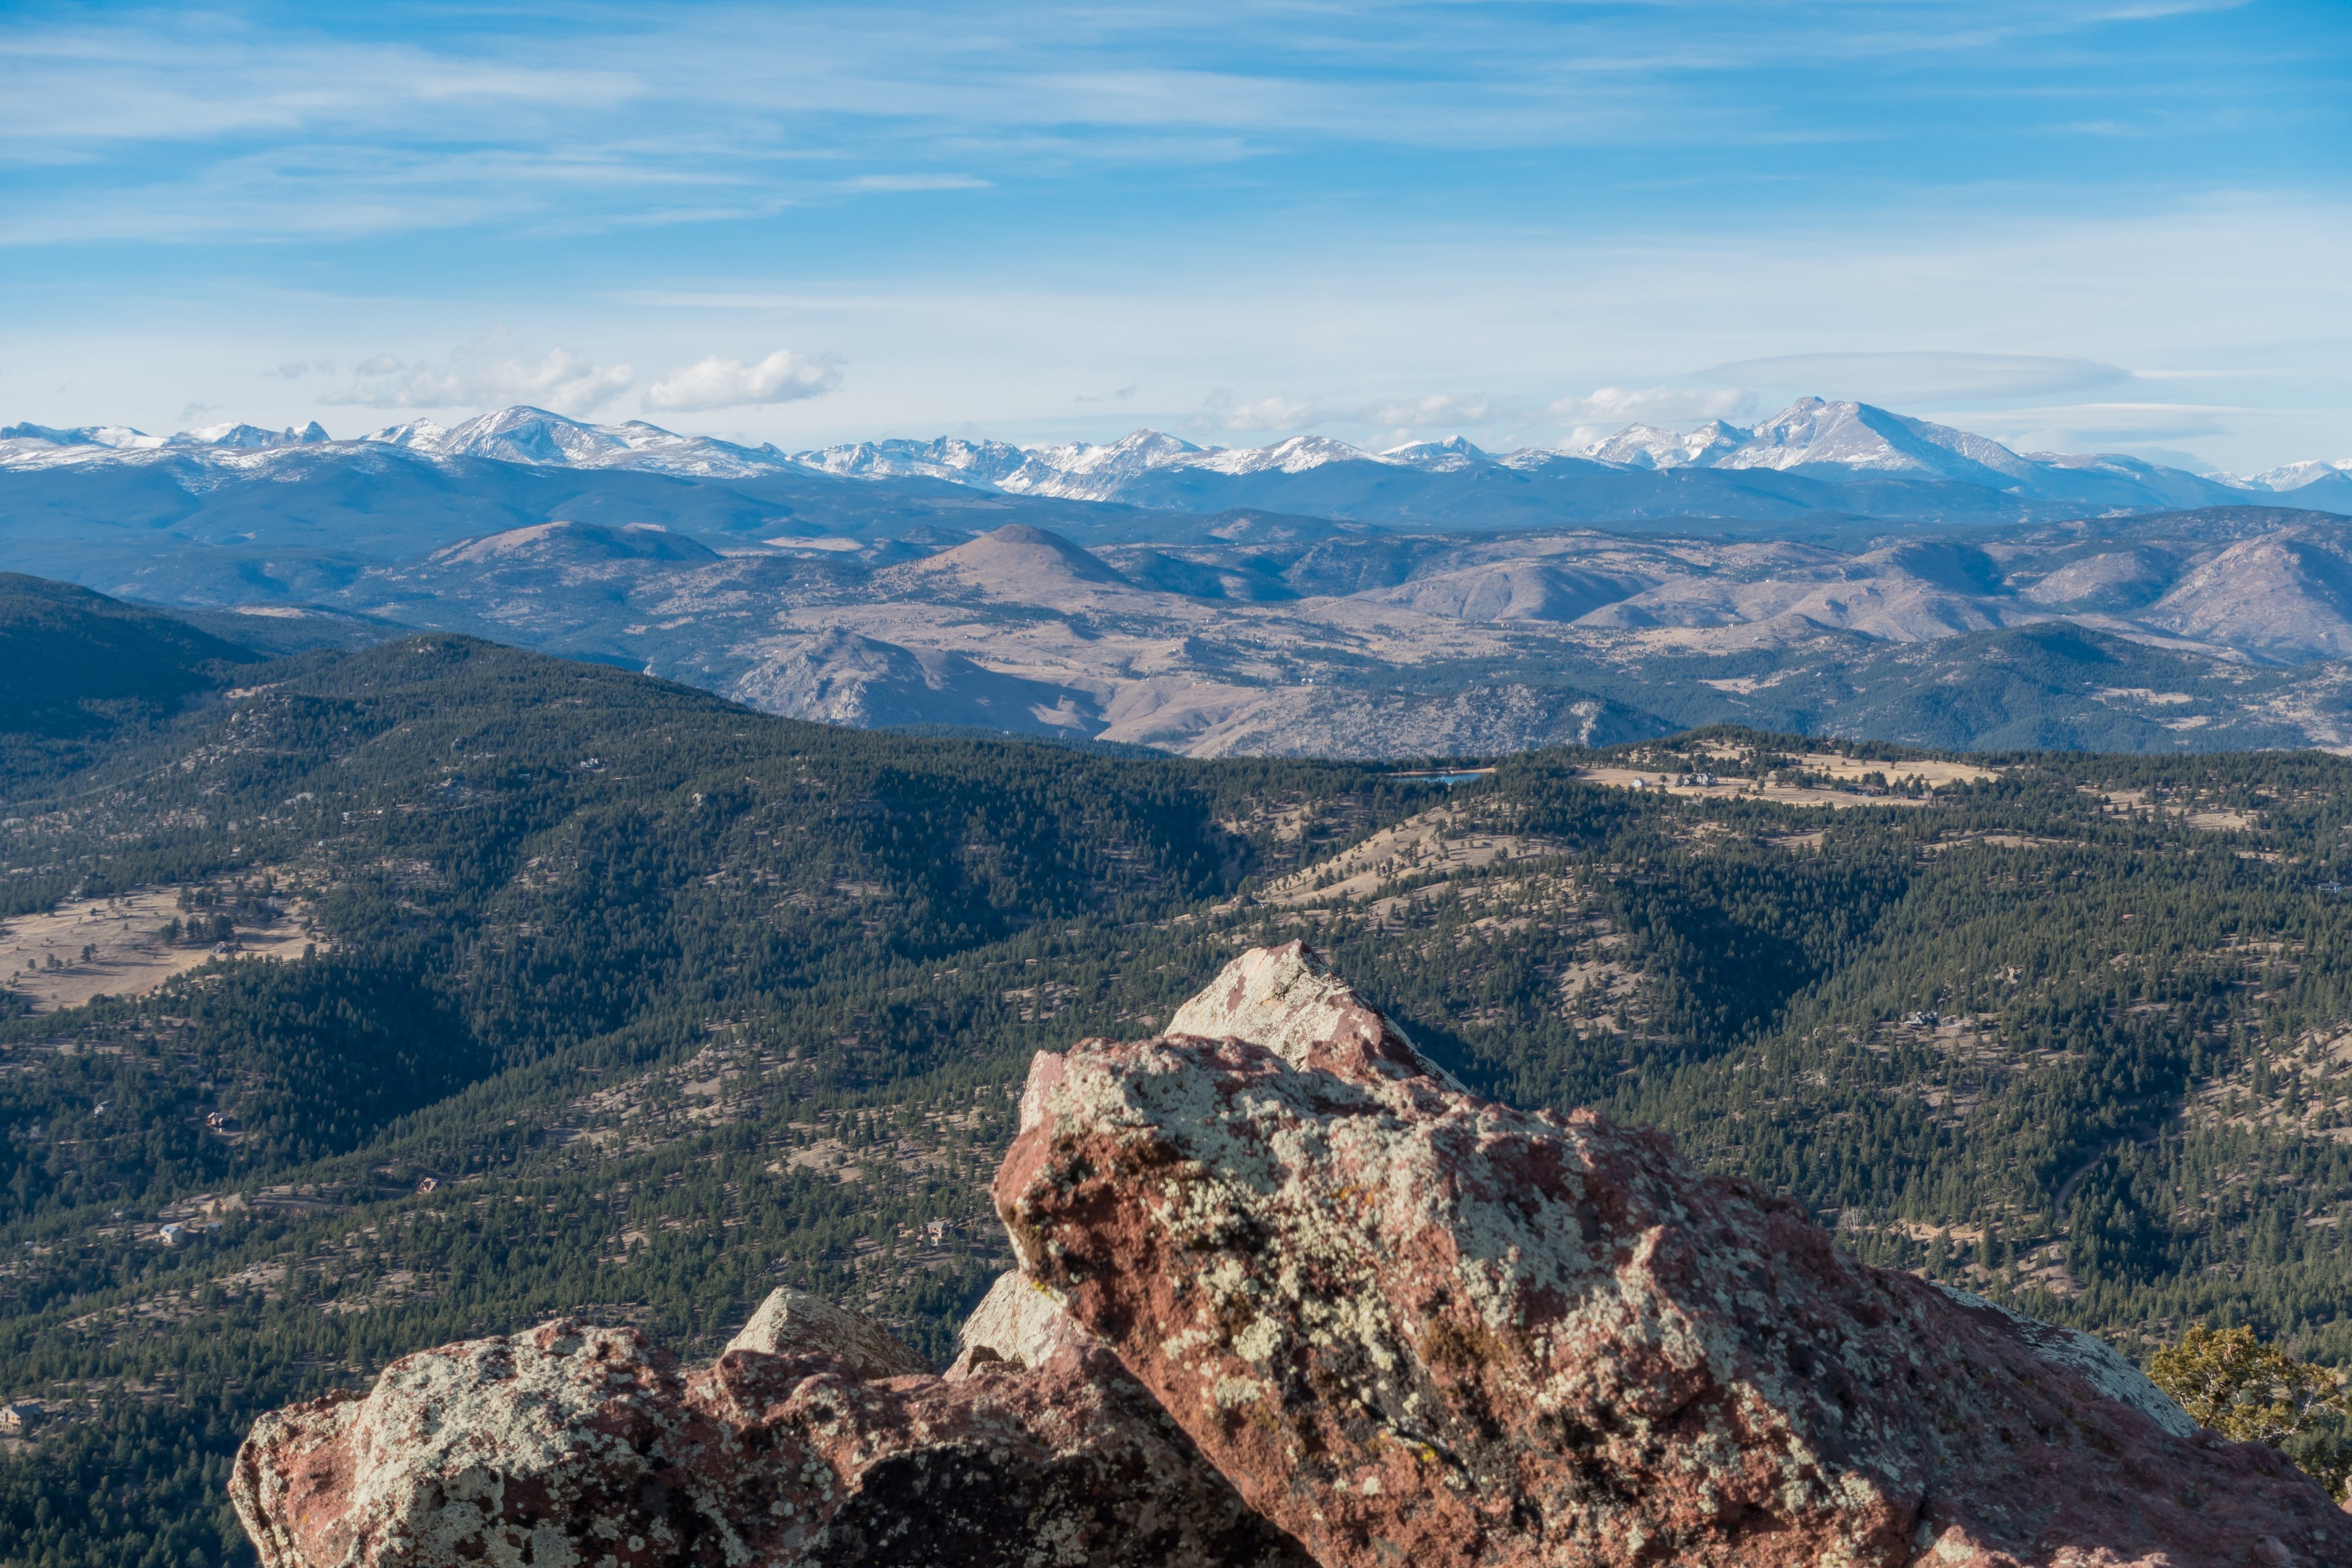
<point>2233,1384</point>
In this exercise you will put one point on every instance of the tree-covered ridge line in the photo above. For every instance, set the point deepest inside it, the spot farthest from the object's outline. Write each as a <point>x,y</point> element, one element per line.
<point>670,1002</point>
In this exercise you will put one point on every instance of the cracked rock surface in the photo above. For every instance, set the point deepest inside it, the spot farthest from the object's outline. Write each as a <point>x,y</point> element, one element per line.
<point>794,1323</point>
<point>1291,1293</point>
<point>570,1446</point>
<point>1415,1326</point>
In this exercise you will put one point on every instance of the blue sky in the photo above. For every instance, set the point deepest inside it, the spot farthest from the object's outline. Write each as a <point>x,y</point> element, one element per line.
<point>2121,225</point>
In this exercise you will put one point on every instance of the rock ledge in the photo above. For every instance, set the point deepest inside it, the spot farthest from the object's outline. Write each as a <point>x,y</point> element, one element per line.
<point>1289,1293</point>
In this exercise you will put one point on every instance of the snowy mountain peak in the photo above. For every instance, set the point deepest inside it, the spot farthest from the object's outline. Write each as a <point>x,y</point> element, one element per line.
<point>1814,441</point>
<point>248,437</point>
<point>1857,436</point>
<point>48,447</point>
<point>1080,471</point>
<point>1647,446</point>
<point>115,437</point>
<point>2294,476</point>
<point>948,457</point>
<point>535,436</point>
<point>1132,453</point>
<point>422,434</point>
<point>1295,456</point>
<point>525,435</point>
<point>1449,456</point>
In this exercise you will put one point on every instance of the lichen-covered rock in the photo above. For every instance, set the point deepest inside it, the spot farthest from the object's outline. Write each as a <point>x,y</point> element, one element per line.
<point>1417,1327</point>
<point>1413,1327</point>
<point>1287,1000</point>
<point>578,1447</point>
<point>563,1445</point>
<point>794,1323</point>
<point>1070,1462</point>
<point>1018,1322</point>
<point>2094,1360</point>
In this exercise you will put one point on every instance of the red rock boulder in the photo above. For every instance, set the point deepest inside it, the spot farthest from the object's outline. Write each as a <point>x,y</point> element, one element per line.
<point>794,1323</point>
<point>1417,1327</point>
<point>566,1444</point>
<point>1019,1321</point>
<point>571,1446</point>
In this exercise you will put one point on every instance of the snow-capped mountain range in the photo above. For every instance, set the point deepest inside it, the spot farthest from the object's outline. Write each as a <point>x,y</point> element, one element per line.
<point>24,445</point>
<point>1210,600</point>
<point>1834,447</point>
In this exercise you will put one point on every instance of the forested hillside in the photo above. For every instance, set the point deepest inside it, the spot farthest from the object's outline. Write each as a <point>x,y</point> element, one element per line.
<point>482,986</point>
<point>79,664</point>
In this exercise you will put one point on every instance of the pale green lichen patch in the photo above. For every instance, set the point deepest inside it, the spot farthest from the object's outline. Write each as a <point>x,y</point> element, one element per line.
<point>1414,1310</point>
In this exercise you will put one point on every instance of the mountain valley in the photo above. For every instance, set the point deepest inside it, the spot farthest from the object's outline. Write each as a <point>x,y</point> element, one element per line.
<point>2194,630</point>
<point>1057,786</point>
<point>614,998</point>
<point>1071,592</point>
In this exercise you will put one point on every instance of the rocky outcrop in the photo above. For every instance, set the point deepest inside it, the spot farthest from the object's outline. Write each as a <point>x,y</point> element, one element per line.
<point>1019,1321</point>
<point>1286,1000</point>
<point>564,1444</point>
<point>794,1323</point>
<point>1070,1462</point>
<point>2094,1360</point>
<point>1289,1292</point>
<point>1416,1326</point>
<point>571,1447</point>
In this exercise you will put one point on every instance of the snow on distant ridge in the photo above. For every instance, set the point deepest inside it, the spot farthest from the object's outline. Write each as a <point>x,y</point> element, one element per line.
<point>29,446</point>
<point>123,438</point>
<point>253,435</point>
<point>1647,446</point>
<point>947,458</point>
<point>1080,471</point>
<point>1295,456</point>
<point>1856,435</point>
<point>534,435</point>
<point>528,435</point>
<point>109,437</point>
<point>2293,476</point>
<point>1447,456</point>
<point>1840,441</point>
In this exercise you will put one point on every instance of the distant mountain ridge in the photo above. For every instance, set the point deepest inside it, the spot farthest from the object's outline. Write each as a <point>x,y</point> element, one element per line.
<point>1811,435</point>
<point>2224,626</point>
<point>1813,456</point>
<point>25,440</point>
<point>1305,597</point>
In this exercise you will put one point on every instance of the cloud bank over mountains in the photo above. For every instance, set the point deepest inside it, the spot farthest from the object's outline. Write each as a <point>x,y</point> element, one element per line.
<point>714,383</point>
<point>567,382</point>
<point>473,377</point>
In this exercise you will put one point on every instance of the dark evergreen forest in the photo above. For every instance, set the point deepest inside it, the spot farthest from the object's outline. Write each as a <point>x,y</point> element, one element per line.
<point>590,993</point>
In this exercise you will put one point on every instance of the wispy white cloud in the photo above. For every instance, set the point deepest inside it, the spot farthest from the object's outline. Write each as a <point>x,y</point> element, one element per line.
<point>1911,376</point>
<point>208,76</point>
<point>1648,405</point>
<point>836,101</point>
<point>1353,202</point>
<point>479,376</point>
<point>1437,411</point>
<point>715,383</point>
<point>1224,412</point>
